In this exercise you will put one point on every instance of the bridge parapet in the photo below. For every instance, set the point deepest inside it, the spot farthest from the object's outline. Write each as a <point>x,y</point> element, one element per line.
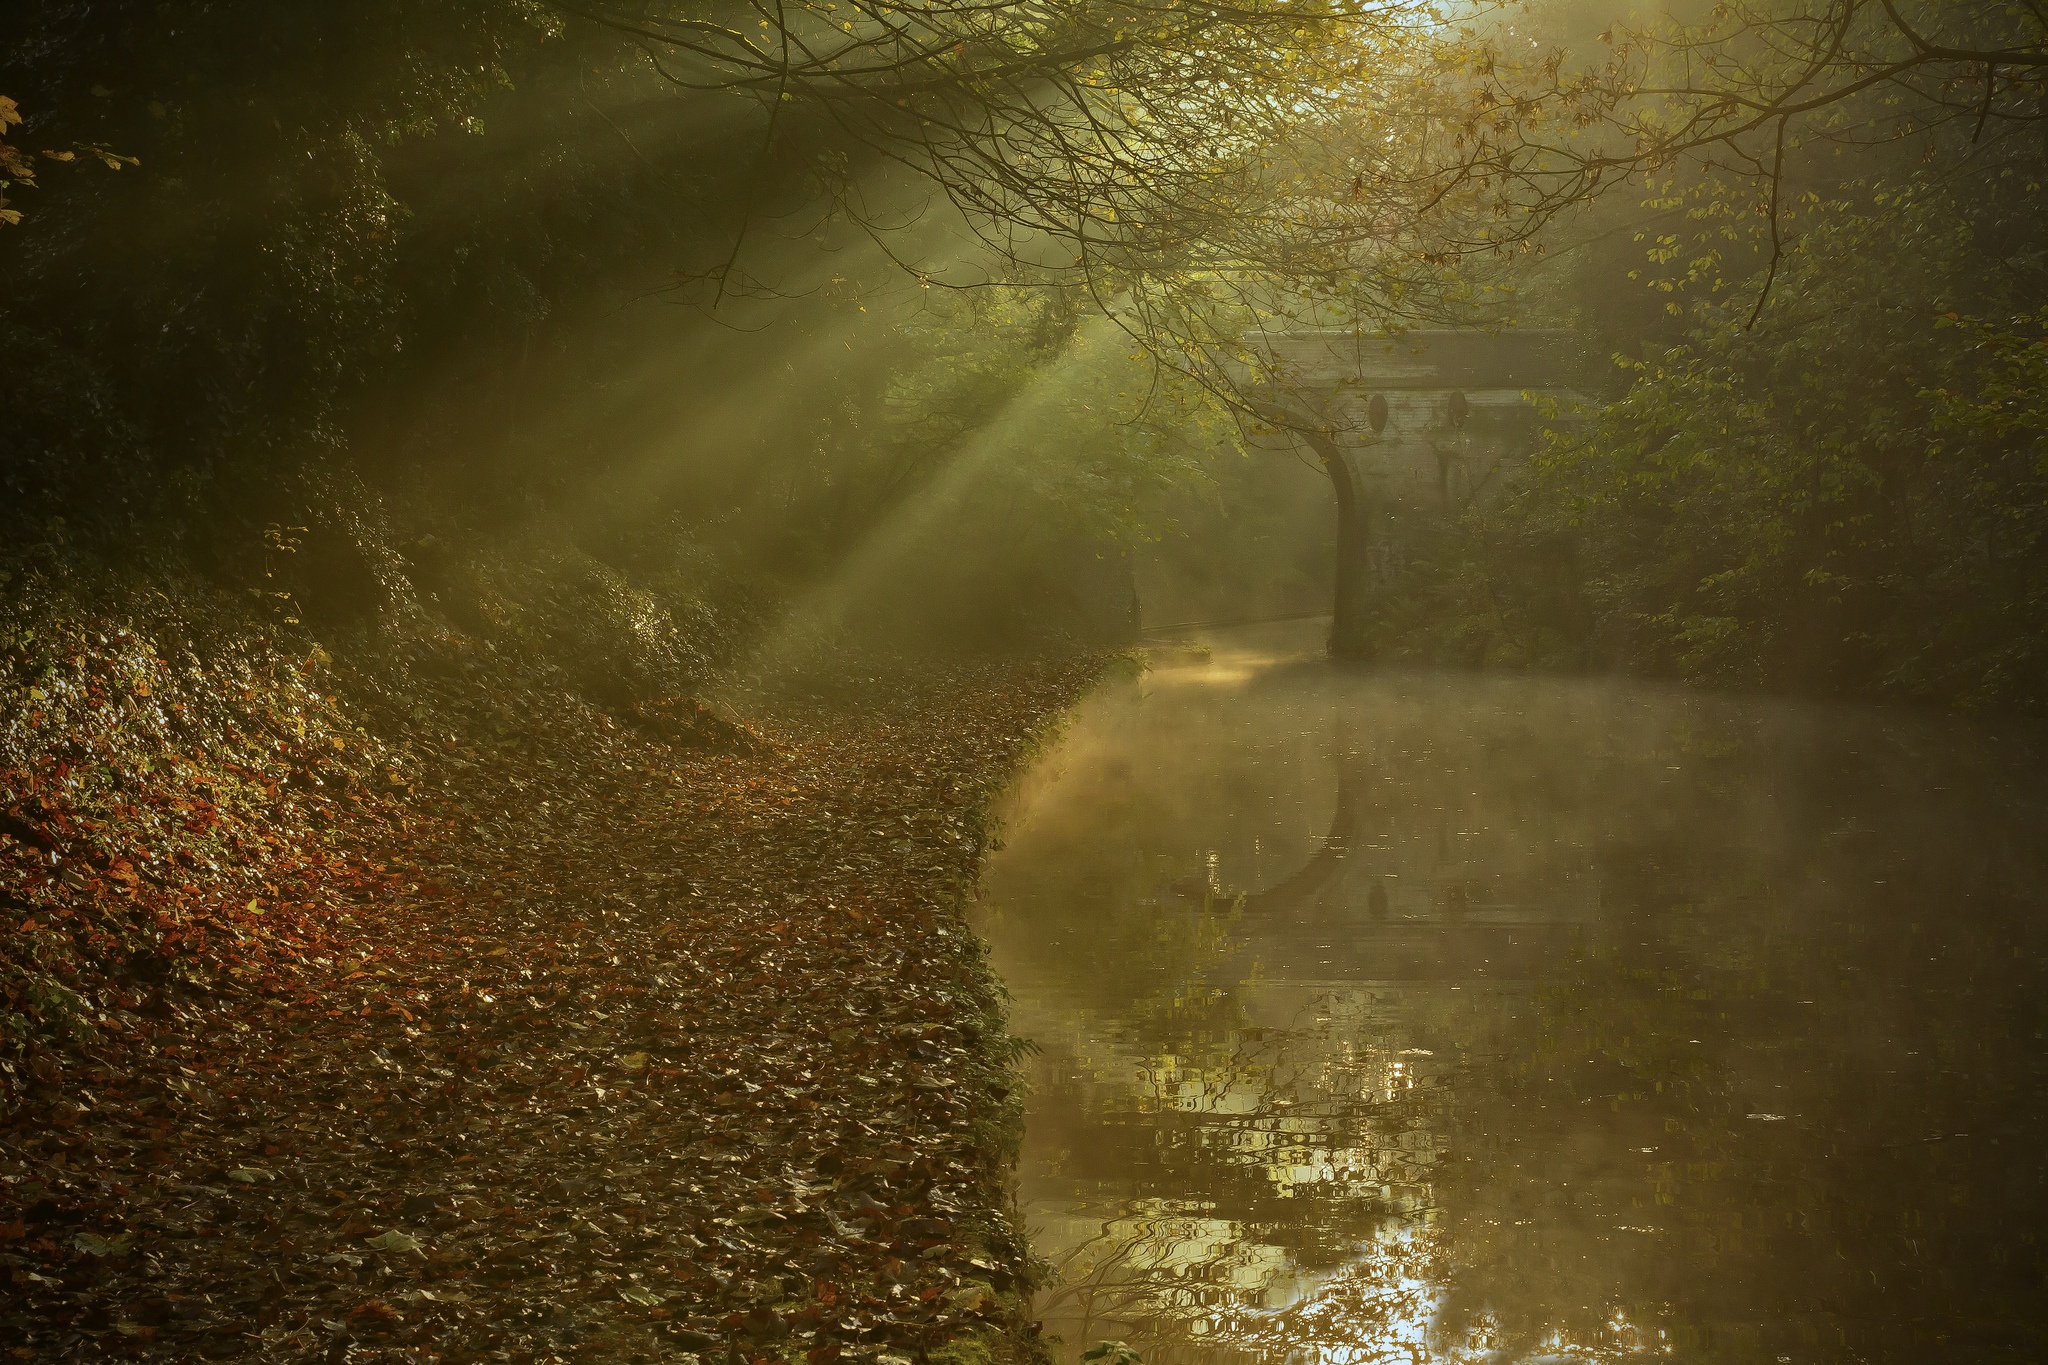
<point>1455,419</point>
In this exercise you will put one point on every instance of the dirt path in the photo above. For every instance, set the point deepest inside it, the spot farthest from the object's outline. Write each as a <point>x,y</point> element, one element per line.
<point>615,1051</point>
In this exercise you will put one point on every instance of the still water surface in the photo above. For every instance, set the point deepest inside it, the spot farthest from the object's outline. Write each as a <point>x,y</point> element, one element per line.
<point>1442,1018</point>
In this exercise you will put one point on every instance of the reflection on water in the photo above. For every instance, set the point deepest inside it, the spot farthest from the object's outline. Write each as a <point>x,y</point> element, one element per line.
<point>1404,1018</point>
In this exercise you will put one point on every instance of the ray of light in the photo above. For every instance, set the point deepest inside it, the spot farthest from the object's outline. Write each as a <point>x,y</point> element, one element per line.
<point>886,559</point>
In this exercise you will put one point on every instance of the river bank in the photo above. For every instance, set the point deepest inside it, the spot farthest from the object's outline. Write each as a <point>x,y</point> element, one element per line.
<point>467,1022</point>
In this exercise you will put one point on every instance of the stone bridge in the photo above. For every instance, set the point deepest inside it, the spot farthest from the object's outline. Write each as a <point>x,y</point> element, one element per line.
<point>1455,423</point>
<point>1410,429</point>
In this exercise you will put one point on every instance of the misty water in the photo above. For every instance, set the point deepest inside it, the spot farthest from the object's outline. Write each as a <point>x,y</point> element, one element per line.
<point>1400,1017</point>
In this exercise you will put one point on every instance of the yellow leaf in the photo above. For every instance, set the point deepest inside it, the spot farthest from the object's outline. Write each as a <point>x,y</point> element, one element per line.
<point>60,156</point>
<point>101,90</point>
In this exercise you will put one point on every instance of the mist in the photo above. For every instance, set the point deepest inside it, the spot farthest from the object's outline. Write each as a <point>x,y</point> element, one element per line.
<point>1024,684</point>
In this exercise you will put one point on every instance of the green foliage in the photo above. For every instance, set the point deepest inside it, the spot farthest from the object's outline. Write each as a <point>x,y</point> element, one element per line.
<point>1851,497</point>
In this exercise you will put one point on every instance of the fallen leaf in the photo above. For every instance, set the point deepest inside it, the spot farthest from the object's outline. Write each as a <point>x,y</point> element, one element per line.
<point>94,1245</point>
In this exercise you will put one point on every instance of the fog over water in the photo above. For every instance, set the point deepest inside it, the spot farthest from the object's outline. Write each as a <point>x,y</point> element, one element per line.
<point>1394,1017</point>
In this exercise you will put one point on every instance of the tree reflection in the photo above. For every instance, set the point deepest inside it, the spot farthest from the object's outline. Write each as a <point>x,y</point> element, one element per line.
<point>1711,1032</point>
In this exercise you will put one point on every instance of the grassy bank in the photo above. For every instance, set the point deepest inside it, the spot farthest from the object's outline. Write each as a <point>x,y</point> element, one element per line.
<point>405,996</point>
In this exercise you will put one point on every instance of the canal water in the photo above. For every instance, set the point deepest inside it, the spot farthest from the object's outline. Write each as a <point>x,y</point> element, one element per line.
<point>1417,1017</point>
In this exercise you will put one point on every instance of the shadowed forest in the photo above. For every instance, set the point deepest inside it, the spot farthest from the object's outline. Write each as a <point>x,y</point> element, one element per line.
<point>545,545</point>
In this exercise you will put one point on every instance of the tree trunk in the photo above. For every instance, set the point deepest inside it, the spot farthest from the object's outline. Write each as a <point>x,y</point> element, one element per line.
<point>1349,635</point>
